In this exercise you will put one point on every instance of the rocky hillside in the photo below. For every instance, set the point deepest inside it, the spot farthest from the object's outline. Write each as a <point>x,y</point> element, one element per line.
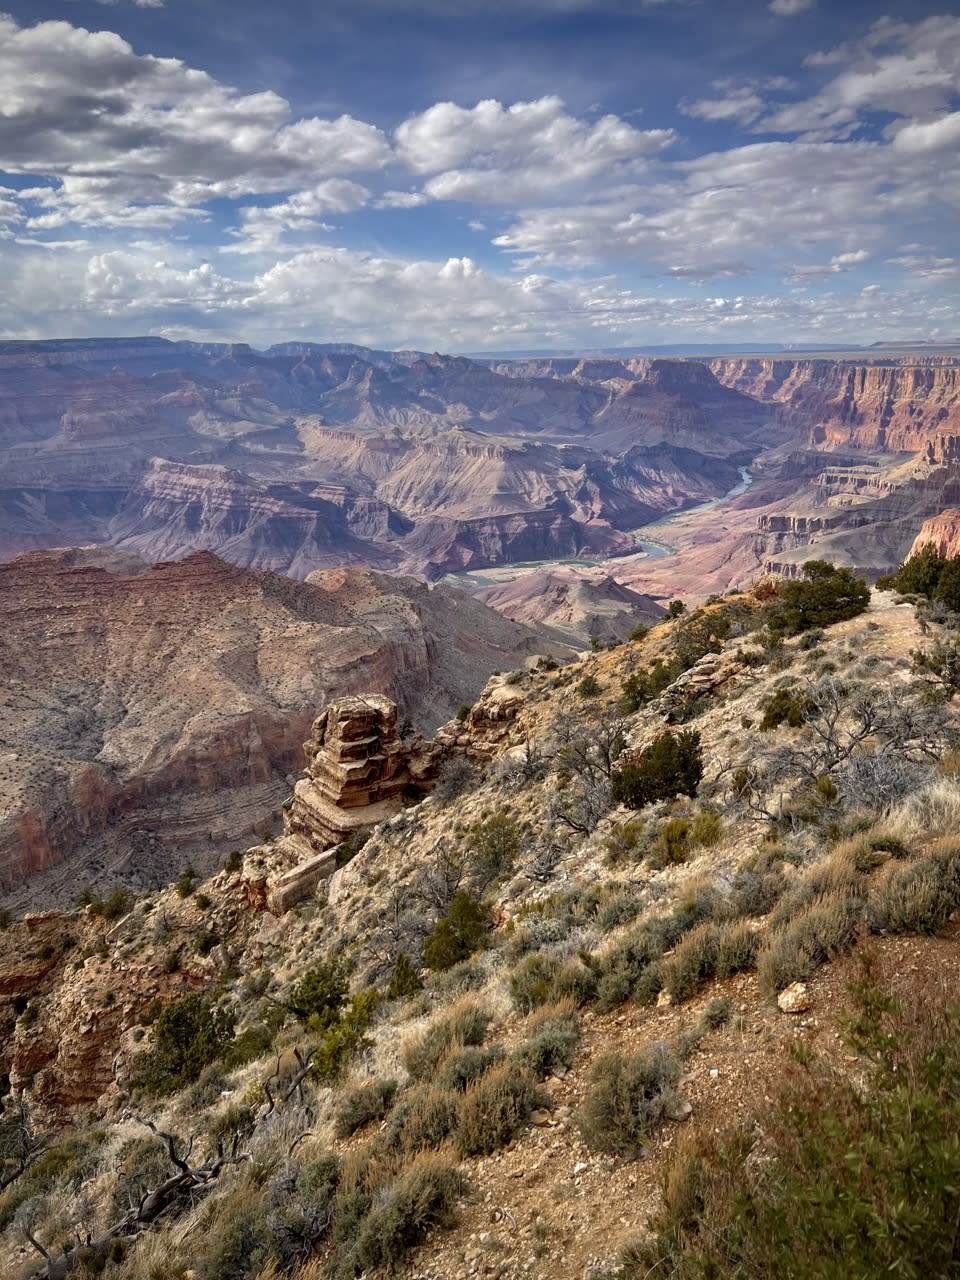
<point>135,698</point>
<point>500,1034</point>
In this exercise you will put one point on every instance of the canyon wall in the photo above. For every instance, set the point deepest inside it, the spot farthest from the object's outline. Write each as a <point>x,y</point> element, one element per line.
<point>151,717</point>
<point>895,408</point>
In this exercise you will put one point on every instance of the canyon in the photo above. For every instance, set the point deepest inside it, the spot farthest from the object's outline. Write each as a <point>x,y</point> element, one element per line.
<point>295,503</point>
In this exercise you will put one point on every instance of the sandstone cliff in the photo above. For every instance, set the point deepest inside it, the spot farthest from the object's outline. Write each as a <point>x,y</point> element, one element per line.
<point>835,404</point>
<point>941,531</point>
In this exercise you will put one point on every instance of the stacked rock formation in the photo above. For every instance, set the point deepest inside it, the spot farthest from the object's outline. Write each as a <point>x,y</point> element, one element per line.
<point>358,773</point>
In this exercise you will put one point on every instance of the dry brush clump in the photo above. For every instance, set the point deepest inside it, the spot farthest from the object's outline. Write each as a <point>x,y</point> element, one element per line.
<point>628,1096</point>
<point>464,1023</point>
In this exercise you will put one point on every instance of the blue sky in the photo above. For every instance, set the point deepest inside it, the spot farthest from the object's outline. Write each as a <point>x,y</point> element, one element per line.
<point>481,174</point>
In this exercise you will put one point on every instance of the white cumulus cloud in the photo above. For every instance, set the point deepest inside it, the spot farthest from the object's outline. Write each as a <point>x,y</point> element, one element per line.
<point>496,153</point>
<point>127,134</point>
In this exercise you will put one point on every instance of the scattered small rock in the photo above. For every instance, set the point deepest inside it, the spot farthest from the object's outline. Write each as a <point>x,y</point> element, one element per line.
<point>794,999</point>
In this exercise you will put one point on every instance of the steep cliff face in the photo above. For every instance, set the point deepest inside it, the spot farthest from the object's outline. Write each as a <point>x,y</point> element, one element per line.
<point>941,531</point>
<point>157,716</point>
<point>286,528</point>
<point>891,407</point>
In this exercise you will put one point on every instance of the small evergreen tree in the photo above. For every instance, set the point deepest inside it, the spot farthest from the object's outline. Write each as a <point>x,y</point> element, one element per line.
<point>921,573</point>
<point>824,595</point>
<point>321,993</point>
<point>672,765</point>
<point>404,980</point>
<point>457,934</point>
<point>187,1035</point>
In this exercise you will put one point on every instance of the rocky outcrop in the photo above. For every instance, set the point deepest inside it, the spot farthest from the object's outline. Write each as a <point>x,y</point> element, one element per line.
<point>358,772</point>
<point>941,531</point>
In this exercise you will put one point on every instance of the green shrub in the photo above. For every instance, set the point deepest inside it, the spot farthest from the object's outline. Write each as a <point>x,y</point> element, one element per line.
<point>495,1107</point>
<point>672,765</point>
<point>707,828</point>
<point>890,844</point>
<point>359,1106</point>
<point>465,1064</point>
<point>552,1036</point>
<point>380,1231</point>
<point>787,706</point>
<point>321,993</point>
<point>826,594</point>
<point>465,1023</point>
<point>635,693</point>
<point>852,1178</point>
<point>422,1119</point>
<point>618,910</point>
<point>625,840</point>
<point>672,844</point>
<point>187,1035</point>
<point>531,982</point>
<point>757,886</point>
<point>737,948</point>
<point>627,1097</point>
<point>463,711</point>
<point>187,882</point>
<point>300,1214</point>
<point>920,575</point>
<point>404,980</point>
<point>112,908</point>
<point>493,843</point>
<point>716,1013</point>
<point>458,934</point>
<point>253,1041</point>
<point>343,1040</point>
<point>205,941</point>
<point>241,1244</point>
<point>576,982</point>
<point>798,947</point>
<point>589,687</point>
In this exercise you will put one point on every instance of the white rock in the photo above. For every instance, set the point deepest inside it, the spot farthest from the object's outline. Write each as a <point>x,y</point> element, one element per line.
<point>794,999</point>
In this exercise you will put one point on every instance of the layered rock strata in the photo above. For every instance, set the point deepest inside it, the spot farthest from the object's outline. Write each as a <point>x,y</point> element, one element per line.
<point>358,773</point>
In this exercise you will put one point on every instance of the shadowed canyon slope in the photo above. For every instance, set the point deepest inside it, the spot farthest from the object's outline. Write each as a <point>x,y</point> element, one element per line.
<point>151,714</point>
